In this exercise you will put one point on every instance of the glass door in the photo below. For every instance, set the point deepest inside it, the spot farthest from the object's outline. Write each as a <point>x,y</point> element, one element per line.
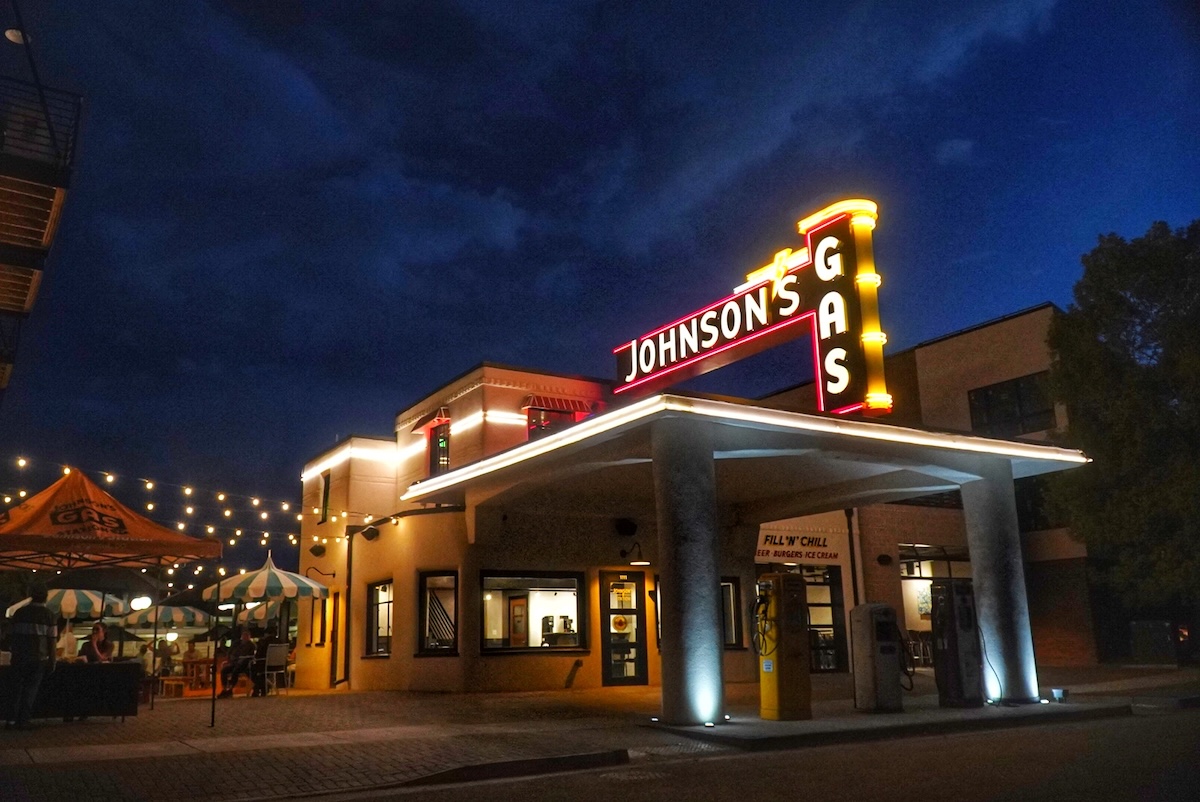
<point>623,628</point>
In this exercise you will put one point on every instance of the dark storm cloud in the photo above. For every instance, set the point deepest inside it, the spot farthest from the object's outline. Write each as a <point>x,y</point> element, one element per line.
<point>288,218</point>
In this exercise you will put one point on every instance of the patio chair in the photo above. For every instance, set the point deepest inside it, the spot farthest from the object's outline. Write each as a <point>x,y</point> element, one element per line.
<point>275,666</point>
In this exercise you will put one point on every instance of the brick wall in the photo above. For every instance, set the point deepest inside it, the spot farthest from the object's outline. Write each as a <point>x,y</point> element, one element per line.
<point>883,526</point>
<point>1060,612</point>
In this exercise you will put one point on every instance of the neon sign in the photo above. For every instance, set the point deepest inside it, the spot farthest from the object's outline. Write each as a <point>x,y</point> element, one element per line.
<point>826,289</point>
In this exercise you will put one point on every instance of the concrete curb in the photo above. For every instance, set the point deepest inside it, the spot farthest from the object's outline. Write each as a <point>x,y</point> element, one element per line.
<point>767,743</point>
<point>523,768</point>
<point>479,772</point>
<point>1150,705</point>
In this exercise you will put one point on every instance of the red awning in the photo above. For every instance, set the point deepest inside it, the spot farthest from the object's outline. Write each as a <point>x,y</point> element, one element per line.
<point>557,404</point>
<point>439,415</point>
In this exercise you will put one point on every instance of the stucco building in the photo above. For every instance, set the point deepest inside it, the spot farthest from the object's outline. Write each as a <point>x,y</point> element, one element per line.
<point>520,530</point>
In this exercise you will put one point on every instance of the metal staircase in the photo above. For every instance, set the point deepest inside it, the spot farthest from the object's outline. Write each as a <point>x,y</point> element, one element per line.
<point>38,130</point>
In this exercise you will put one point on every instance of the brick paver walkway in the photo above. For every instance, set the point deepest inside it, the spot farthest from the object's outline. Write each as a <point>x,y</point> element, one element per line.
<point>311,742</point>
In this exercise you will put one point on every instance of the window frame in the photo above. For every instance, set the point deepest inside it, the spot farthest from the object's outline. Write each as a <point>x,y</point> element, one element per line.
<point>981,403</point>
<point>738,641</point>
<point>581,612</point>
<point>370,643</point>
<point>423,650</point>
<point>555,421</point>
<point>326,481</point>
<point>738,624</point>
<point>436,465</point>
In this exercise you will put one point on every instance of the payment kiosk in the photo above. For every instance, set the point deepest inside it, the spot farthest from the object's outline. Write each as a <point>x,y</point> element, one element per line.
<point>781,640</point>
<point>878,652</point>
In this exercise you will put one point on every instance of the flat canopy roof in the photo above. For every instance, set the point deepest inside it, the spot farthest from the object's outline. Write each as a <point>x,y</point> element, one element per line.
<point>770,464</point>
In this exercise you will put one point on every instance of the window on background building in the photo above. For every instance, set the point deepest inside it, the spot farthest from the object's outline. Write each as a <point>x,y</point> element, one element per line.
<point>439,449</point>
<point>438,612</point>
<point>1034,511</point>
<point>325,481</point>
<point>379,618</point>
<point>533,610</point>
<point>1013,407</point>
<point>547,421</point>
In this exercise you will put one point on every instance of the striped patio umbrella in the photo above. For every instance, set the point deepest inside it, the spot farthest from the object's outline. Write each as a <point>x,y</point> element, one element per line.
<point>267,582</point>
<point>168,616</point>
<point>75,603</point>
<point>261,612</point>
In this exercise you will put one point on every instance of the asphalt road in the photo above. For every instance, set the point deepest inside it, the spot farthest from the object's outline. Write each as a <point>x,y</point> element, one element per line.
<point>1131,758</point>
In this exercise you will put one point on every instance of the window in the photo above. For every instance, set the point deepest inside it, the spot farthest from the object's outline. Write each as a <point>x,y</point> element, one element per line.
<point>312,621</point>
<point>438,605</point>
<point>379,618</point>
<point>439,449</point>
<point>532,610</point>
<point>1035,513</point>
<point>1017,406</point>
<point>547,421</point>
<point>731,612</point>
<point>324,497</point>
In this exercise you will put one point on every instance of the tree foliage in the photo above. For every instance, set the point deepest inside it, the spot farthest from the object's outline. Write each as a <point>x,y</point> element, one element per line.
<point>1127,366</point>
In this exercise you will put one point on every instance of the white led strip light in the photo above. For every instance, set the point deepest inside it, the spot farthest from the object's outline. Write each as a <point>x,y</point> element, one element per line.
<point>734,412</point>
<point>385,455</point>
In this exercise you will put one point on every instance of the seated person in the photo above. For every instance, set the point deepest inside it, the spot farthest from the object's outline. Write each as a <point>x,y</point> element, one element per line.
<point>97,648</point>
<point>192,652</point>
<point>241,661</point>
<point>259,675</point>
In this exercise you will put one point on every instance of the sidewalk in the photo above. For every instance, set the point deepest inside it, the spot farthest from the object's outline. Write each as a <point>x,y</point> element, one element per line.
<point>309,743</point>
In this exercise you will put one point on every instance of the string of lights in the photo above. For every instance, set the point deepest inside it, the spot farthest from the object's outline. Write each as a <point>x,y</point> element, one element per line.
<point>191,509</point>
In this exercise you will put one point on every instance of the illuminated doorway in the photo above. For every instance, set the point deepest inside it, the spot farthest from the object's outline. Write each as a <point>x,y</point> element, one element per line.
<point>623,628</point>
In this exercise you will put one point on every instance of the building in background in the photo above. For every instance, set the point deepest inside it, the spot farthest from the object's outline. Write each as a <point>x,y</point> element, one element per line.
<point>992,380</point>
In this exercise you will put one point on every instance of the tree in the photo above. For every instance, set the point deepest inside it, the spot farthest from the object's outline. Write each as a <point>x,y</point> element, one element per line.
<point>1127,367</point>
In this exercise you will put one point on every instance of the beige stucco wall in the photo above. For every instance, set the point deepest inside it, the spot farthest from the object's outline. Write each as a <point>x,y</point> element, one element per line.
<point>947,369</point>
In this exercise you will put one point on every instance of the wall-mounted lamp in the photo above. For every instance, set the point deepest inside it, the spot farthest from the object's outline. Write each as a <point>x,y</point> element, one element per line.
<point>636,551</point>
<point>316,550</point>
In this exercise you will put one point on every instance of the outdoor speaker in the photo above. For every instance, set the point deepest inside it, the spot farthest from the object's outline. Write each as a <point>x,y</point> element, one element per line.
<point>626,527</point>
<point>370,533</point>
<point>317,550</point>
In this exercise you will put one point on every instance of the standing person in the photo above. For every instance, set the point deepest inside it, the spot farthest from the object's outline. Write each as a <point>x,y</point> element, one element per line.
<point>97,648</point>
<point>34,643</point>
<point>146,657</point>
<point>166,651</point>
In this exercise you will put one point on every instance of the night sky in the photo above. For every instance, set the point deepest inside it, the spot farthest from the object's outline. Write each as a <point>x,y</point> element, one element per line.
<point>289,220</point>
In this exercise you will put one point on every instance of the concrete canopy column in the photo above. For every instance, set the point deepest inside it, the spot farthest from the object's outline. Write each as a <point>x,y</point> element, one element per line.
<point>990,511</point>
<point>689,576</point>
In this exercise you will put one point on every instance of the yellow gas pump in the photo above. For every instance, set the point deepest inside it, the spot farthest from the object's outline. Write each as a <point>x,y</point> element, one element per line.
<point>781,640</point>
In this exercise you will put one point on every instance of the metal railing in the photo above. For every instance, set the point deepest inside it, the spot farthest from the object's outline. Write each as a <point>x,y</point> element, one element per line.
<point>32,129</point>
